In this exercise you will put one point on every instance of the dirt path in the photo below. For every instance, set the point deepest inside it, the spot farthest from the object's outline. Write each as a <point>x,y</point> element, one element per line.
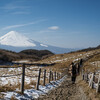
<point>66,91</point>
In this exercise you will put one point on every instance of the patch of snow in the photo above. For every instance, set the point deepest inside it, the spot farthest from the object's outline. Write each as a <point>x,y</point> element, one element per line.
<point>30,94</point>
<point>21,61</point>
<point>43,45</point>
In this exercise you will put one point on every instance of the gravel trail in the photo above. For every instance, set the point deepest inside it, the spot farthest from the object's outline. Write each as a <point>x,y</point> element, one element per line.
<point>66,91</point>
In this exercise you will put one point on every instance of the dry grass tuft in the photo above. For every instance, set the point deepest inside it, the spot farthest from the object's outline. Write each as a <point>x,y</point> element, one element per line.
<point>13,98</point>
<point>6,88</point>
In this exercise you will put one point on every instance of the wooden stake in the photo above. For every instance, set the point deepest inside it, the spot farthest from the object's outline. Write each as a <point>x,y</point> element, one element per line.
<point>44,77</point>
<point>23,79</point>
<point>38,82</point>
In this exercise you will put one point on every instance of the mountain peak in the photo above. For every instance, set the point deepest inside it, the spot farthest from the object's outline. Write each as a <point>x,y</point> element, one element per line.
<point>16,39</point>
<point>12,33</point>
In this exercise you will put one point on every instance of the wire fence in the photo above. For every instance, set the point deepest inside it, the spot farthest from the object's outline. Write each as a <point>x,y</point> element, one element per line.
<point>93,80</point>
<point>41,74</point>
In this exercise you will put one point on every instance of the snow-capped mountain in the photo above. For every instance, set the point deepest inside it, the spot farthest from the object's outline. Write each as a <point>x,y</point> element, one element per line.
<point>14,41</point>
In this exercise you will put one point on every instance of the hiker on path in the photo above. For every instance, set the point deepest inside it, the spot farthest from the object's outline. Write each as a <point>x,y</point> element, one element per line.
<point>81,65</point>
<point>73,73</point>
<point>81,62</point>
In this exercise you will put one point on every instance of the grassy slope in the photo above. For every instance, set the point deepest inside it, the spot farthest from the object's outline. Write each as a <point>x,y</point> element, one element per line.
<point>6,55</point>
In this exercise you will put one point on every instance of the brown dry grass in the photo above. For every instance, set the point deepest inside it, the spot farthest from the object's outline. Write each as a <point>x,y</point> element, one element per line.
<point>13,98</point>
<point>92,64</point>
<point>8,87</point>
<point>95,58</point>
<point>58,67</point>
<point>91,93</point>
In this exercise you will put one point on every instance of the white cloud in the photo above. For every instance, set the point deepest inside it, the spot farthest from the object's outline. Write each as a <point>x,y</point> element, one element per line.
<point>21,25</point>
<point>53,28</point>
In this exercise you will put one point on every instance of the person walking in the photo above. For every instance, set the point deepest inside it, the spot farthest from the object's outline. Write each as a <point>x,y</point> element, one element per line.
<point>81,66</point>
<point>73,73</point>
<point>81,62</point>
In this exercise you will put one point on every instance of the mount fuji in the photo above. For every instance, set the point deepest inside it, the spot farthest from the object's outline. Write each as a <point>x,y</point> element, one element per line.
<point>17,42</point>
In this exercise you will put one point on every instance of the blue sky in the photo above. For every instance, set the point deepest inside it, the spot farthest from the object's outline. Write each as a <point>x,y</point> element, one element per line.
<point>63,23</point>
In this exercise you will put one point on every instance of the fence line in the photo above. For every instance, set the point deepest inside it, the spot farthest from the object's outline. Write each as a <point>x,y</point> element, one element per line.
<point>41,74</point>
<point>93,80</point>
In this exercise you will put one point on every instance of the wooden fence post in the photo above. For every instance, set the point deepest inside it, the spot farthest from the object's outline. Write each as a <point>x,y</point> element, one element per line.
<point>83,75</point>
<point>87,77</point>
<point>82,72</point>
<point>23,79</point>
<point>98,86</point>
<point>52,76</point>
<point>60,75</point>
<point>55,75</point>
<point>49,76</point>
<point>38,82</point>
<point>44,77</point>
<point>91,81</point>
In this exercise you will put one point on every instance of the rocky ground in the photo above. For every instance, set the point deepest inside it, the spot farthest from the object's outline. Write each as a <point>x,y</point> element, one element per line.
<point>66,91</point>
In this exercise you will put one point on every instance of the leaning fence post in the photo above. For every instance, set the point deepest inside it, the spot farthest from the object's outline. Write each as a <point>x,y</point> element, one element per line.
<point>44,77</point>
<point>23,79</point>
<point>38,82</point>
<point>98,86</point>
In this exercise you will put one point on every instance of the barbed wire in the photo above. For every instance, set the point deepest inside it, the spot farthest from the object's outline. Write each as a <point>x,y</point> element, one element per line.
<point>32,69</point>
<point>12,67</point>
<point>30,76</point>
<point>11,75</point>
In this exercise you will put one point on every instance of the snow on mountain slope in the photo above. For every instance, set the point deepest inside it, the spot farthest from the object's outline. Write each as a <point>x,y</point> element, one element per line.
<point>15,39</point>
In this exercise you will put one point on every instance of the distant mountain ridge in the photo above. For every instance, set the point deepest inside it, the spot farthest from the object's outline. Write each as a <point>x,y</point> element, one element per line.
<point>89,49</point>
<point>14,41</point>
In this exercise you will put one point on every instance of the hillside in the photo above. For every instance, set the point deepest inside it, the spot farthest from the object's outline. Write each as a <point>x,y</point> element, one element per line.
<point>89,49</point>
<point>64,90</point>
<point>8,56</point>
<point>40,53</point>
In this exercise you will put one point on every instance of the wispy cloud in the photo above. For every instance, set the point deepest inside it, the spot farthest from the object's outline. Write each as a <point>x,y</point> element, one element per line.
<point>21,25</point>
<point>53,28</point>
<point>13,7</point>
<point>20,12</point>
